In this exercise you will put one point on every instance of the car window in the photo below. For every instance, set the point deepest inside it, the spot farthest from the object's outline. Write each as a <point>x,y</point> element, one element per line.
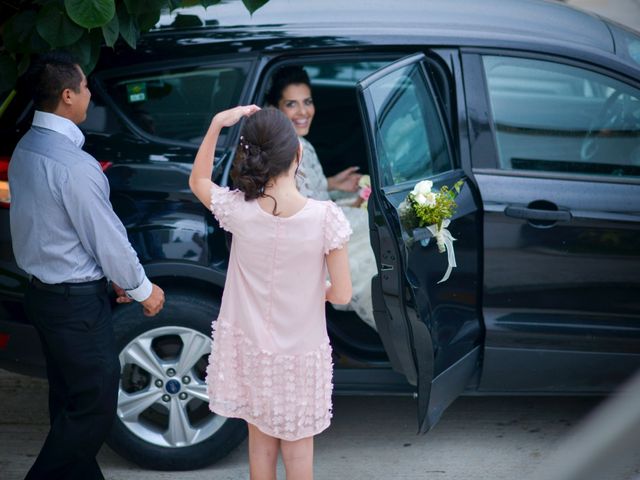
<point>559,118</point>
<point>342,73</point>
<point>627,43</point>
<point>178,104</point>
<point>410,139</point>
<point>336,132</point>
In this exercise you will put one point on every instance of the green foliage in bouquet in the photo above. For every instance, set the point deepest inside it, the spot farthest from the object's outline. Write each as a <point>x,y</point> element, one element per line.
<point>423,207</point>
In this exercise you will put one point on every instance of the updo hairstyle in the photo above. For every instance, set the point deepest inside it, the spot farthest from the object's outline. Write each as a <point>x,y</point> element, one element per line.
<point>268,146</point>
<point>289,75</point>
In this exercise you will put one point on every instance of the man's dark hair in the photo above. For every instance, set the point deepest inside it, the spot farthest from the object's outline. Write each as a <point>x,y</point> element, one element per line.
<point>290,75</point>
<point>49,75</point>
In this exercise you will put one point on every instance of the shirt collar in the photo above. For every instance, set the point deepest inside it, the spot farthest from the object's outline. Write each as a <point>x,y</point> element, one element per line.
<point>59,124</point>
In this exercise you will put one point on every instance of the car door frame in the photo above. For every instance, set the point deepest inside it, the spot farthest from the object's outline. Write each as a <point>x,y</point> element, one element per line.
<point>510,342</point>
<point>406,337</point>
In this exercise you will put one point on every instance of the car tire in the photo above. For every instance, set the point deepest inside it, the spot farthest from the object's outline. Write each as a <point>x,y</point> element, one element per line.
<point>158,427</point>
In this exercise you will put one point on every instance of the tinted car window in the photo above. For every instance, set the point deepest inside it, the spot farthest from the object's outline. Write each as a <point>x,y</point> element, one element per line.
<point>100,119</point>
<point>336,132</point>
<point>342,73</point>
<point>628,44</point>
<point>559,118</point>
<point>410,138</point>
<point>178,104</point>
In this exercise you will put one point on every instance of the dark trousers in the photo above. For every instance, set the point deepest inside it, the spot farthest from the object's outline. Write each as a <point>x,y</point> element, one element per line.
<point>83,372</point>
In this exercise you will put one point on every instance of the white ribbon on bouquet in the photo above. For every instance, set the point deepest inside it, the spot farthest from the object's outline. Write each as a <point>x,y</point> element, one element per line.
<point>444,240</point>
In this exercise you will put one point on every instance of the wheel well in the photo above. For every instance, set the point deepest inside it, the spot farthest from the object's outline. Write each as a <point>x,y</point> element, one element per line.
<point>185,285</point>
<point>189,286</point>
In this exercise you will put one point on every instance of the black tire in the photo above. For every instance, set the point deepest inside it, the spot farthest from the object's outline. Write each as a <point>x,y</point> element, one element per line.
<point>182,312</point>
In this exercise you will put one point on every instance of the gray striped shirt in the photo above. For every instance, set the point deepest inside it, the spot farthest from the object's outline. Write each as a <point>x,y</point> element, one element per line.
<point>63,227</point>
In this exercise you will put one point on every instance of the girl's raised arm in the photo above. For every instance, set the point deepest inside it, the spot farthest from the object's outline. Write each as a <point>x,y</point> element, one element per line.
<point>200,178</point>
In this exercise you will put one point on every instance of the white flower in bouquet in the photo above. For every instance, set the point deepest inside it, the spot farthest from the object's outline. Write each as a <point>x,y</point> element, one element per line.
<point>422,188</point>
<point>424,209</point>
<point>429,199</point>
<point>365,190</point>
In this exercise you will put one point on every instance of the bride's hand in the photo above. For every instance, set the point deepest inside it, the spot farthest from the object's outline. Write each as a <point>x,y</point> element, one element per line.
<point>228,118</point>
<point>346,180</point>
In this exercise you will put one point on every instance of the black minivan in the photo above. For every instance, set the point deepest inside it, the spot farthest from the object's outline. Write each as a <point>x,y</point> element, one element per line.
<point>536,106</point>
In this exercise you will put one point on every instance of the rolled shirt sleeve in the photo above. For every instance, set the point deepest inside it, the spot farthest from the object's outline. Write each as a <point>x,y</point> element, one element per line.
<point>141,293</point>
<point>85,195</point>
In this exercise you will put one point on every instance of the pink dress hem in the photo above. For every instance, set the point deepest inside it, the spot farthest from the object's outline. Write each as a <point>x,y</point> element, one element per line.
<point>285,396</point>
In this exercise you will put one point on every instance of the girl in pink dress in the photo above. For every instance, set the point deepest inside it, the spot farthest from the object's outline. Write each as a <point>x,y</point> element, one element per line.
<point>271,360</point>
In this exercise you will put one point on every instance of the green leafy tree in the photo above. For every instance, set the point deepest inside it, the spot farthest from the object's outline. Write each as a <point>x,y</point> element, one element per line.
<point>28,27</point>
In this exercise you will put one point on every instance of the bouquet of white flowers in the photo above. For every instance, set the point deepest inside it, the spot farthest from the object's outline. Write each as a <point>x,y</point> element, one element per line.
<point>364,191</point>
<point>425,214</point>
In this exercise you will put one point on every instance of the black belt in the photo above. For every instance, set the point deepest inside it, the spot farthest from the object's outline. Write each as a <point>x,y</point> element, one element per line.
<point>82,288</point>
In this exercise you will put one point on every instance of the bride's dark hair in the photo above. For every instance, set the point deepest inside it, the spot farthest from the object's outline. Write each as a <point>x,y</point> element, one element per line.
<point>268,145</point>
<point>289,75</point>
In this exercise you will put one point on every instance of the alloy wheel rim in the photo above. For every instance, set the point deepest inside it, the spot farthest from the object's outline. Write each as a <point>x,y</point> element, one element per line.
<point>163,395</point>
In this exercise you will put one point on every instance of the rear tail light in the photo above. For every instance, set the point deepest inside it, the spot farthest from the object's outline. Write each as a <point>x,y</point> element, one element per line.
<point>105,165</point>
<point>5,195</point>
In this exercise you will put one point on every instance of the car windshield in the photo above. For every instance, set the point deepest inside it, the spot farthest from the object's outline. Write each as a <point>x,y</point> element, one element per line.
<point>177,104</point>
<point>628,44</point>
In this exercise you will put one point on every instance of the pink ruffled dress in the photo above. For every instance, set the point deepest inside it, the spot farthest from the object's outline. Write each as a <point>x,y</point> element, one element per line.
<point>270,362</point>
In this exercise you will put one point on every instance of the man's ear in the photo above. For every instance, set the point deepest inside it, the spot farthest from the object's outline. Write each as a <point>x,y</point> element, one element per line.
<point>67,96</point>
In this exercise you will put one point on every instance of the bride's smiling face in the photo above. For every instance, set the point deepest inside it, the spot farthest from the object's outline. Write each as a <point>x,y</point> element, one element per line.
<point>297,104</point>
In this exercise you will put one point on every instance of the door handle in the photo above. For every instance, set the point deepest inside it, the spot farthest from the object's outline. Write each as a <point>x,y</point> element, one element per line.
<point>537,214</point>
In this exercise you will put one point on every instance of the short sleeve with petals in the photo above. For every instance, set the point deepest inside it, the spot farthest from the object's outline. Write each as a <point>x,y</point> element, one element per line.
<point>223,204</point>
<point>336,228</point>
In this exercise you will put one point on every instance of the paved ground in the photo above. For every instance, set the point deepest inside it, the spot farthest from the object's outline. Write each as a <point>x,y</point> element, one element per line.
<point>493,438</point>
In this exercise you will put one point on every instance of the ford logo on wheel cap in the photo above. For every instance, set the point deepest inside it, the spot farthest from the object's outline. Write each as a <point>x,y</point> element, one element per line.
<point>173,386</point>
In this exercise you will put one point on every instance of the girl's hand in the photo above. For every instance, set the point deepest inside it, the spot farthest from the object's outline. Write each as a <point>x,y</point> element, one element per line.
<point>228,118</point>
<point>200,178</point>
<point>346,180</point>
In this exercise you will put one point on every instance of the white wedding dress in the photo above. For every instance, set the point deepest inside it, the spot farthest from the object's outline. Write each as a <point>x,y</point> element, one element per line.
<point>312,183</point>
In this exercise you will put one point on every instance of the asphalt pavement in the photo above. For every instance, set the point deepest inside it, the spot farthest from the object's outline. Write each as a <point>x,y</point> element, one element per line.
<point>479,438</point>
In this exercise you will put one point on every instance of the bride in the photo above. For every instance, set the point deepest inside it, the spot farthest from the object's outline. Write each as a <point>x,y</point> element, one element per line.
<point>291,93</point>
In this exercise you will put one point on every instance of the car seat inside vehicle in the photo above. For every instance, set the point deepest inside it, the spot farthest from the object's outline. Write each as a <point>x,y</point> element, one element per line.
<point>338,138</point>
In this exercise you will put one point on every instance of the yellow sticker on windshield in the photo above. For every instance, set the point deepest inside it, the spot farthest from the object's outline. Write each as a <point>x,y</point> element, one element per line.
<point>137,92</point>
